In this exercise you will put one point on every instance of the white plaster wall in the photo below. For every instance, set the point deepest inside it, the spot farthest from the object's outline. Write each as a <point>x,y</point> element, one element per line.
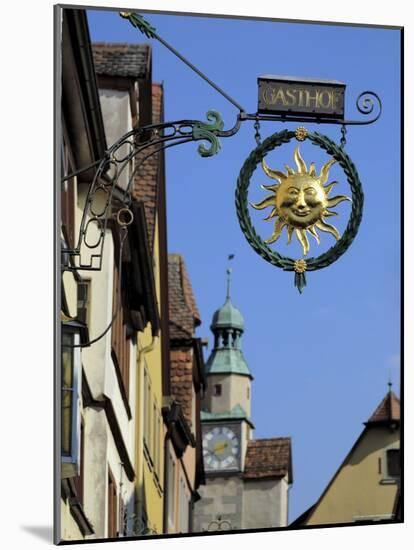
<point>263,504</point>
<point>124,487</point>
<point>236,390</point>
<point>112,390</point>
<point>100,372</point>
<point>95,473</point>
<point>97,357</point>
<point>69,527</point>
<point>221,496</point>
<point>117,118</point>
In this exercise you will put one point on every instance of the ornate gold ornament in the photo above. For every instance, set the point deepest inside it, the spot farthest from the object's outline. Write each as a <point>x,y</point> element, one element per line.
<point>300,266</point>
<point>301,133</point>
<point>300,201</point>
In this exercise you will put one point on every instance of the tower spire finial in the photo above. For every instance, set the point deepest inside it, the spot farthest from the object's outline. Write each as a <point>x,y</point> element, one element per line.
<point>228,271</point>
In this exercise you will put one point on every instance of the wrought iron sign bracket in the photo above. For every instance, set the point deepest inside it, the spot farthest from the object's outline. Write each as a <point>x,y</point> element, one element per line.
<point>107,199</point>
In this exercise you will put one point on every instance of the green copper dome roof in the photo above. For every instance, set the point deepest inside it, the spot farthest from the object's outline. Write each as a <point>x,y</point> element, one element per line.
<point>236,413</point>
<point>227,361</point>
<point>227,316</point>
<point>228,326</point>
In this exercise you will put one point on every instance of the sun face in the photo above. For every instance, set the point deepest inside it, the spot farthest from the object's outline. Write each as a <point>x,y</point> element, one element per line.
<point>300,201</point>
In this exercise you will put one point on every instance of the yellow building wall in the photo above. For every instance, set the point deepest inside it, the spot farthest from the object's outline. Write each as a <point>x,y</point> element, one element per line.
<point>150,490</point>
<point>359,489</point>
<point>69,527</point>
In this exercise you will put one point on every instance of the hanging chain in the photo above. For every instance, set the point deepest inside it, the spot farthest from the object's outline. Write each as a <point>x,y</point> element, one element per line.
<point>257,135</point>
<point>343,138</point>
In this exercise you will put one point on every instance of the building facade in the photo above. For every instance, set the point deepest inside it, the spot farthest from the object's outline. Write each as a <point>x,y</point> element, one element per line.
<point>123,411</point>
<point>124,79</point>
<point>101,313</point>
<point>184,468</point>
<point>365,488</point>
<point>247,480</point>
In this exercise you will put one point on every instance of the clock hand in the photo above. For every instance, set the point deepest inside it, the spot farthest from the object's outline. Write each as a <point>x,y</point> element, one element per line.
<point>220,447</point>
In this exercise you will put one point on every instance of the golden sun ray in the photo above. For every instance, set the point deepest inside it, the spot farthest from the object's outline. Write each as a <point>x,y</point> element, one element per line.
<point>300,163</point>
<point>303,239</point>
<point>313,231</point>
<point>272,214</point>
<point>268,201</point>
<point>328,188</point>
<point>279,225</point>
<point>274,174</point>
<point>323,176</point>
<point>312,170</point>
<point>289,232</point>
<point>270,187</point>
<point>336,200</point>
<point>323,226</point>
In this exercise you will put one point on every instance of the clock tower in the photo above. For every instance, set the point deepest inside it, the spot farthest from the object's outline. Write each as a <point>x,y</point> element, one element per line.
<point>233,461</point>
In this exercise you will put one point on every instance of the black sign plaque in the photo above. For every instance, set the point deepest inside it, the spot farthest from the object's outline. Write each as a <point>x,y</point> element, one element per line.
<point>301,97</point>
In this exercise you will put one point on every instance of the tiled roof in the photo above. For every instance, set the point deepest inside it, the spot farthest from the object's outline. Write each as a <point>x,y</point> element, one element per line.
<point>184,315</point>
<point>146,179</point>
<point>387,411</point>
<point>122,59</point>
<point>268,458</point>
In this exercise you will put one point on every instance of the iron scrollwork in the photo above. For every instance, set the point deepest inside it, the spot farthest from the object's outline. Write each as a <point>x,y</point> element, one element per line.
<point>122,161</point>
<point>127,155</point>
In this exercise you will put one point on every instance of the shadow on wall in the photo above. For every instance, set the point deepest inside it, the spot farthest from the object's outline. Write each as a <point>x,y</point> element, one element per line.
<point>374,442</point>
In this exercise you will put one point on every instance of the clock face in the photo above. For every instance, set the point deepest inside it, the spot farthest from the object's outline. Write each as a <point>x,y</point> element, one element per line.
<point>221,449</point>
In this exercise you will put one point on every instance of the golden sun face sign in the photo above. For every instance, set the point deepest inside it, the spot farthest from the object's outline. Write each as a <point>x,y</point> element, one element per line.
<point>300,201</point>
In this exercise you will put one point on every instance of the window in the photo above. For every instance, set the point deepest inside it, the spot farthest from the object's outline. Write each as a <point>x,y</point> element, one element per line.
<point>84,291</point>
<point>70,405</point>
<point>217,389</point>
<point>393,463</point>
<point>389,465</point>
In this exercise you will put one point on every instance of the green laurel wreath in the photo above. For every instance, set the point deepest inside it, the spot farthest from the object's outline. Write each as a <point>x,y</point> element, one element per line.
<point>243,182</point>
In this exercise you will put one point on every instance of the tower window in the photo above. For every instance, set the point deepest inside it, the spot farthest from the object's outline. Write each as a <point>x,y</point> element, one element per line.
<point>217,389</point>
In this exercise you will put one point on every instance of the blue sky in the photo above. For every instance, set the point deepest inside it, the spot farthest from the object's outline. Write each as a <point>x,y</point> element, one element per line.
<point>321,360</point>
